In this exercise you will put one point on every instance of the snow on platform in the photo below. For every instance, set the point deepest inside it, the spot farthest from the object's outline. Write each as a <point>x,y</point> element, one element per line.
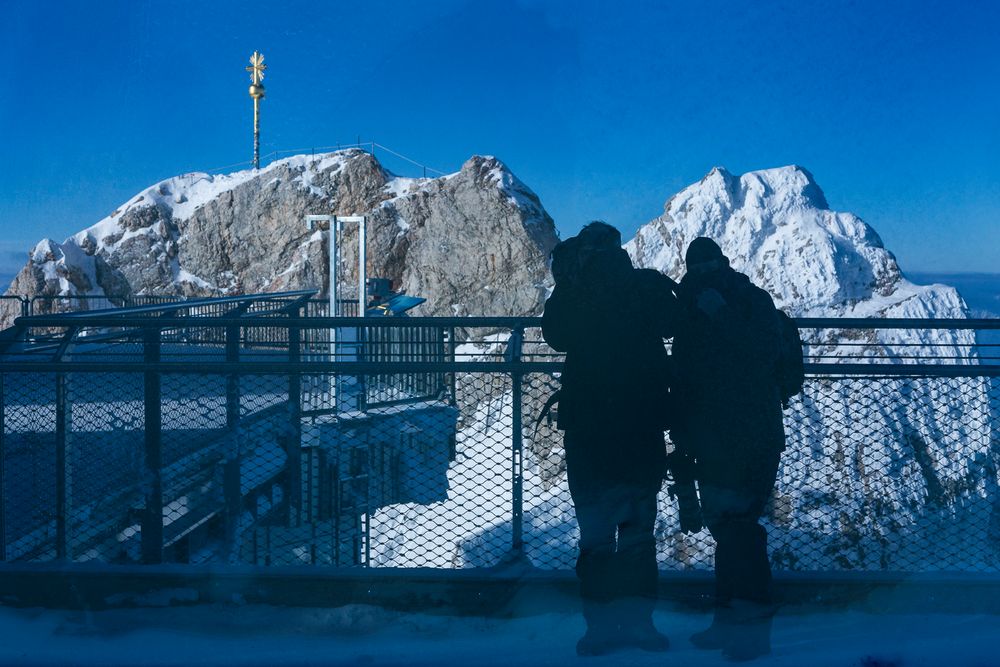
<point>532,633</point>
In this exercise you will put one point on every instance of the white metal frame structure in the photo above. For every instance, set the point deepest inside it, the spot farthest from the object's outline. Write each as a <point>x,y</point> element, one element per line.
<point>347,337</point>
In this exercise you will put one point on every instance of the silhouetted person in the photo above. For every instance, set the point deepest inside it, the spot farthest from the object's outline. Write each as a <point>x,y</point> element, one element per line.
<point>610,319</point>
<point>726,355</point>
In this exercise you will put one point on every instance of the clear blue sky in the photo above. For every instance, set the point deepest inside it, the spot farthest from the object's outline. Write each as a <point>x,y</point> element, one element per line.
<point>605,109</point>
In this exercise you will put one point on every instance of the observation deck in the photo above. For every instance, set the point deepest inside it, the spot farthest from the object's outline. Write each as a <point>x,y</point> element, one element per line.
<point>235,446</point>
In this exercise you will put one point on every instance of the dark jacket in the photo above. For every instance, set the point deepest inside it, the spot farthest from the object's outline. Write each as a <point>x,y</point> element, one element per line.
<point>726,354</point>
<point>617,372</point>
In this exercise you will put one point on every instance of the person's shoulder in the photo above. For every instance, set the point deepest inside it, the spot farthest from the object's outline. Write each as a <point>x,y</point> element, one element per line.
<point>740,282</point>
<point>651,278</point>
<point>762,296</point>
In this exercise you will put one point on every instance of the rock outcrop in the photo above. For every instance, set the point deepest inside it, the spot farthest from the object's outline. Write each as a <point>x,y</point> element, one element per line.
<point>472,242</point>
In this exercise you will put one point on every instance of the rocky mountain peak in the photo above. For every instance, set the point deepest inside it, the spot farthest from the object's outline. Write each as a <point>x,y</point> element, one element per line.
<point>475,241</point>
<point>775,225</point>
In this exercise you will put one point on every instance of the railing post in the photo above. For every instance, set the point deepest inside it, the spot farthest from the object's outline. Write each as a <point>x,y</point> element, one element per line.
<point>517,445</point>
<point>152,517</point>
<point>3,468</point>
<point>293,498</point>
<point>450,358</point>
<point>62,468</point>
<point>231,465</point>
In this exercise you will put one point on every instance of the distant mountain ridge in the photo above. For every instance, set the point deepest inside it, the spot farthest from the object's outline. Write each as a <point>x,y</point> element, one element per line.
<point>981,291</point>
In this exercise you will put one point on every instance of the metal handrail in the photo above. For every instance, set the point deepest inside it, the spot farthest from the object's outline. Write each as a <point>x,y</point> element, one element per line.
<point>104,320</point>
<point>248,367</point>
<point>896,323</point>
<point>103,317</point>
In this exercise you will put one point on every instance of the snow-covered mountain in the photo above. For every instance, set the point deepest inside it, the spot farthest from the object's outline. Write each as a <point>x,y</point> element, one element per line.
<point>473,242</point>
<point>878,474</point>
<point>776,227</point>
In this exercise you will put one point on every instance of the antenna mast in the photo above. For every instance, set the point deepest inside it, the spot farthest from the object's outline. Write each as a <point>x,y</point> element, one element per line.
<point>256,70</point>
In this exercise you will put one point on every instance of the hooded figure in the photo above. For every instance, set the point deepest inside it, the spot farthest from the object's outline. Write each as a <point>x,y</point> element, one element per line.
<point>727,354</point>
<point>611,321</point>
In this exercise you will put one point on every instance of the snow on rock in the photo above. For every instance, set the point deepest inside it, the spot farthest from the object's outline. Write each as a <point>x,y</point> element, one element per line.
<point>446,239</point>
<point>776,227</point>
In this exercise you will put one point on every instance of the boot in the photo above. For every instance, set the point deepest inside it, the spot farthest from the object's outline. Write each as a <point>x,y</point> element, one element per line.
<point>603,635</point>
<point>635,618</point>
<point>596,642</point>
<point>718,634</point>
<point>646,637</point>
<point>751,632</point>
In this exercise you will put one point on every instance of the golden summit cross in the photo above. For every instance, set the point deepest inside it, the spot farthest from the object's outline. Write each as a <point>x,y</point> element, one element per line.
<point>256,67</point>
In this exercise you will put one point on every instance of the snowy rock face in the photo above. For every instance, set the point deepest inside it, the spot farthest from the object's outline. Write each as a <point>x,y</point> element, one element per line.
<point>473,242</point>
<point>776,227</point>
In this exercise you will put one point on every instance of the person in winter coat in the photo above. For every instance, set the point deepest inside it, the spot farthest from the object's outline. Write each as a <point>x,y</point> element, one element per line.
<point>727,354</point>
<point>611,321</point>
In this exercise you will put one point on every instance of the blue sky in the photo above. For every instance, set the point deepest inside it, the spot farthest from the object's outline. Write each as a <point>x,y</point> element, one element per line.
<point>605,109</point>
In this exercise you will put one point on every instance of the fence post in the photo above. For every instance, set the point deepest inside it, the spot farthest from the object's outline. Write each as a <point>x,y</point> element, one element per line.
<point>3,468</point>
<point>231,464</point>
<point>293,498</point>
<point>517,469</point>
<point>152,516</point>
<point>62,469</point>
<point>450,358</point>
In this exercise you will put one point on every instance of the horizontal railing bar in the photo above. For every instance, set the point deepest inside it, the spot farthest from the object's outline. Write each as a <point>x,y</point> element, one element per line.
<point>105,313</point>
<point>382,368</point>
<point>896,323</point>
<point>103,318</point>
<point>302,322</point>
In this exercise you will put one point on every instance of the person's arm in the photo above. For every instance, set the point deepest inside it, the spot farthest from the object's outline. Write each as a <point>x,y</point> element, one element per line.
<point>558,320</point>
<point>764,328</point>
<point>659,300</point>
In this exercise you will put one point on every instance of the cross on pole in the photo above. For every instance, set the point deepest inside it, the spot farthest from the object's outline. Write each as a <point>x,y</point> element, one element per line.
<point>256,70</point>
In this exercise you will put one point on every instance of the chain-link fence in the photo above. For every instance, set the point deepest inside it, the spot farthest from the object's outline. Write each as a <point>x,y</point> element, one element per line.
<point>388,442</point>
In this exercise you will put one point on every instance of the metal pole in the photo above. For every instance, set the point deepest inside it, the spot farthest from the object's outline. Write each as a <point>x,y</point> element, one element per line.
<point>231,465</point>
<point>3,466</point>
<point>517,469</point>
<point>360,386</point>
<point>294,443</point>
<point>362,266</point>
<point>62,469</point>
<point>452,376</point>
<point>256,133</point>
<point>332,247</point>
<point>152,516</point>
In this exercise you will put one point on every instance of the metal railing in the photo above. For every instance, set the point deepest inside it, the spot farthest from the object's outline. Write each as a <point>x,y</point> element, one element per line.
<point>194,439</point>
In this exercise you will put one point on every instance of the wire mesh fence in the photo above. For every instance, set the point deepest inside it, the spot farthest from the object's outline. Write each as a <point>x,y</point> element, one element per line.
<point>230,450</point>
